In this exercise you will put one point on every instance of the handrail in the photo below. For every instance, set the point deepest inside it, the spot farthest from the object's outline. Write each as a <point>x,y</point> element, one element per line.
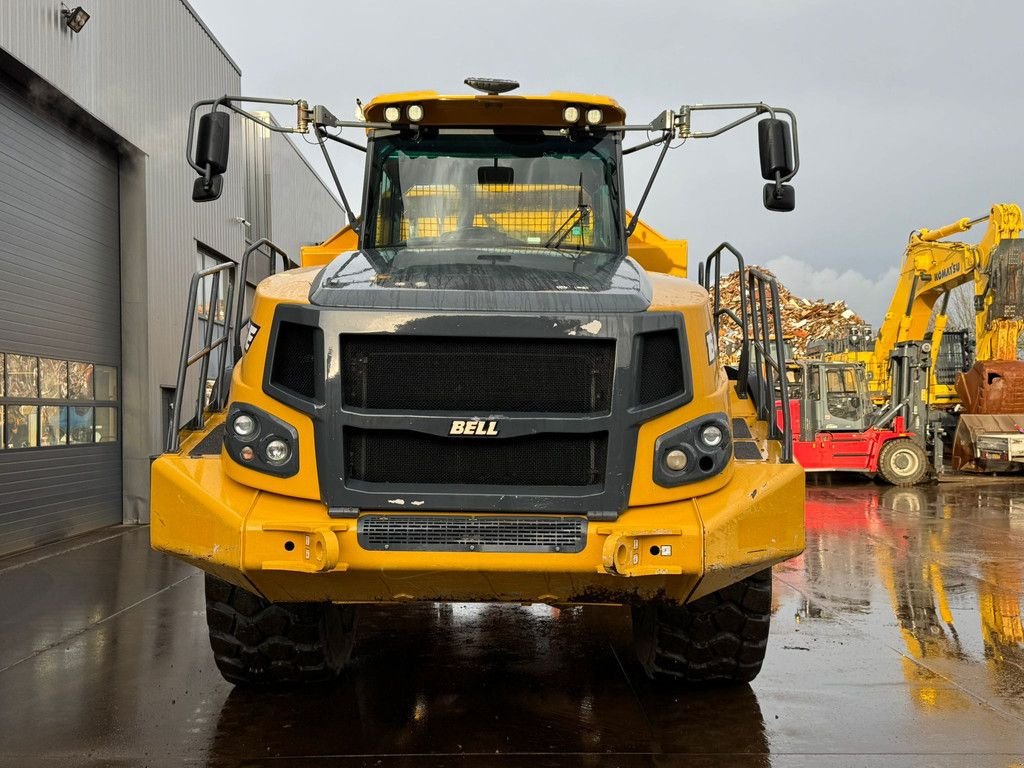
<point>718,311</point>
<point>769,352</point>
<point>230,340</point>
<point>210,344</point>
<point>275,250</point>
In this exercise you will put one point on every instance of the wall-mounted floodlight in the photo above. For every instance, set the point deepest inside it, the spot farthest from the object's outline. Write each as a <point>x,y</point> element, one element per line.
<point>74,18</point>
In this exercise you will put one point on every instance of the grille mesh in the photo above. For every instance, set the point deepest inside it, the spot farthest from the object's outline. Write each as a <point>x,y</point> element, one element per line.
<point>451,533</point>
<point>424,373</point>
<point>399,457</point>
<point>661,366</point>
<point>294,366</point>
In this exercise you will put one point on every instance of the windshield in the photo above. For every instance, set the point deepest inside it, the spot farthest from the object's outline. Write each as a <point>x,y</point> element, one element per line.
<point>493,190</point>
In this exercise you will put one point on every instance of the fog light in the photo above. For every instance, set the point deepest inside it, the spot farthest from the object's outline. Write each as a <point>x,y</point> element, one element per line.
<point>244,425</point>
<point>571,114</point>
<point>392,114</point>
<point>711,436</point>
<point>594,116</point>
<point>246,453</point>
<point>278,452</point>
<point>415,113</point>
<point>675,460</point>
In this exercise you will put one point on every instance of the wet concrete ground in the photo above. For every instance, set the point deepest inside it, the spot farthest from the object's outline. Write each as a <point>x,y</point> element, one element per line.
<point>896,641</point>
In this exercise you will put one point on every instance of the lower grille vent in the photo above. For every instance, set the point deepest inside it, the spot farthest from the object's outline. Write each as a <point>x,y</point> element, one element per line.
<point>463,533</point>
<point>398,457</point>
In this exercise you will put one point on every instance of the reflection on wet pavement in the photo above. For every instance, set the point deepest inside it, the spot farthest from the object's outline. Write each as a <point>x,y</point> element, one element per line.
<point>896,640</point>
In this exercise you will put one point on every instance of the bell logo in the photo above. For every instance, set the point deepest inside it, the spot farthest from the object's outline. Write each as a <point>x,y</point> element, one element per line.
<point>474,428</point>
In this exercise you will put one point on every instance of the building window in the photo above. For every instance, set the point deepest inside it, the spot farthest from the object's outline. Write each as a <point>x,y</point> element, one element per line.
<point>50,403</point>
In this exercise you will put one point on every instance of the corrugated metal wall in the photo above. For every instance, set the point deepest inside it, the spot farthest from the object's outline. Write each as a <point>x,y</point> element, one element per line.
<point>59,316</point>
<point>297,208</point>
<point>137,67</point>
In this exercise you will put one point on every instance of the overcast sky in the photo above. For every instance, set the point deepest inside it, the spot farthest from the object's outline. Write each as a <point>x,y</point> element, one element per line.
<point>910,113</point>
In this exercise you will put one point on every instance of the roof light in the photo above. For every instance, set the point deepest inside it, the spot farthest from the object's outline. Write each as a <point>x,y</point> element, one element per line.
<point>392,114</point>
<point>415,113</point>
<point>594,116</point>
<point>571,114</point>
<point>492,86</point>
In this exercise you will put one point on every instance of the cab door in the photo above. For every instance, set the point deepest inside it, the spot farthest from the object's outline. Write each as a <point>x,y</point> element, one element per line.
<point>844,405</point>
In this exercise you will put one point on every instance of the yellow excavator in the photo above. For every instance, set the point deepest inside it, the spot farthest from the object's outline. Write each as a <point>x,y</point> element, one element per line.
<point>932,268</point>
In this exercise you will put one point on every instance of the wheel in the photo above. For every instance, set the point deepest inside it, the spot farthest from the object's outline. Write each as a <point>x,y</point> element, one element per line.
<point>720,637</point>
<point>902,462</point>
<point>256,642</point>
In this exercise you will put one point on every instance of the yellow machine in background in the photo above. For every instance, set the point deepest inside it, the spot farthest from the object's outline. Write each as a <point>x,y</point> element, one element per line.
<point>495,384</point>
<point>932,268</point>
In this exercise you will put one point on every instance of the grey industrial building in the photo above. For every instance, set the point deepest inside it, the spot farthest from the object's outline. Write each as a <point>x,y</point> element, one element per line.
<point>98,240</point>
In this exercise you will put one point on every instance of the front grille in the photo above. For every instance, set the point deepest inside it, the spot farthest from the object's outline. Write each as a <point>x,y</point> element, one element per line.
<point>295,359</point>
<point>461,533</point>
<point>400,457</point>
<point>427,373</point>
<point>661,366</point>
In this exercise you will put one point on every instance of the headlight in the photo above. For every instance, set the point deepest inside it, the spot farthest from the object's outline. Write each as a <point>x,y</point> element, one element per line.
<point>675,460</point>
<point>711,435</point>
<point>244,425</point>
<point>278,452</point>
<point>261,441</point>
<point>571,114</point>
<point>392,114</point>
<point>415,113</point>
<point>694,451</point>
<point>594,116</point>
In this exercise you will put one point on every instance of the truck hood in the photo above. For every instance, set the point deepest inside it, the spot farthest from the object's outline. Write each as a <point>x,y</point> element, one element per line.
<point>494,279</point>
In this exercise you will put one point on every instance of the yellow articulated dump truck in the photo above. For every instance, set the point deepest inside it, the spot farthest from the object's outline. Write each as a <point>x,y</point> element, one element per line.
<point>495,384</point>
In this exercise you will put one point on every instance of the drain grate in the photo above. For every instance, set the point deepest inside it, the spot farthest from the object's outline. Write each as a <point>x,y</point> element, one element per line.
<point>470,533</point>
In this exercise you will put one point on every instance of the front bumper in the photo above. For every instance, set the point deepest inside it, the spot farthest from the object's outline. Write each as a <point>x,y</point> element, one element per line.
<point>290,549</point>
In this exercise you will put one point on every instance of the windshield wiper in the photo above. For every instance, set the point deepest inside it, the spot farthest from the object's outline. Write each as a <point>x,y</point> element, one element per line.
<point>581,212</point>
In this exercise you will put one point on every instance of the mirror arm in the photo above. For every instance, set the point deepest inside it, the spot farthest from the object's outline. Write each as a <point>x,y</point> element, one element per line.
<point>346,142</point>
<point>666,142</point>
<point>320,133</point>
<point>759,108</point>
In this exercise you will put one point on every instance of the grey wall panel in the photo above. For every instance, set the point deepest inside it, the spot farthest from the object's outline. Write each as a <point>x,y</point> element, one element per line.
<point>49,494</point>
<point>303,210</point>
<point>135,69</point>
<point>59,297</point>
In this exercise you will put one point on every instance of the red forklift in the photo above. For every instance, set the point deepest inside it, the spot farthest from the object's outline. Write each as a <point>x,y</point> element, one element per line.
<point>838,430</point>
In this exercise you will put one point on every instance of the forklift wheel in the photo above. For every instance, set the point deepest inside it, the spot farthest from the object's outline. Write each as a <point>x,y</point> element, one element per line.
<point>902,462</point>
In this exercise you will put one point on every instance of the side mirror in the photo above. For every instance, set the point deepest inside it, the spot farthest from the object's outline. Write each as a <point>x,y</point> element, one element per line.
<point>212,143</point>
<point>779,197</point>
<point>776,148</point>
<point>203,192</point>
<point>775,145</point>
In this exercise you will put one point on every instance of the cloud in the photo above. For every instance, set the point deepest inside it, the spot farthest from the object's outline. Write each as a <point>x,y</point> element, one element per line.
<point>866,295</point>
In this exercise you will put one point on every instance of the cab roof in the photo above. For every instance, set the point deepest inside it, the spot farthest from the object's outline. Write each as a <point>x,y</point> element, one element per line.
<point>490,109</point>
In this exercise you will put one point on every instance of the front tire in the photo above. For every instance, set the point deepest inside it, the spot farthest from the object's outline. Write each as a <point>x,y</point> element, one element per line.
<point>902,462</point>
<point>722,637</point>
<point>256,642</point>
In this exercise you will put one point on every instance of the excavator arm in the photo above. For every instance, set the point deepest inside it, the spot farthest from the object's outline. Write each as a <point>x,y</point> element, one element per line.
<point>932,268</point>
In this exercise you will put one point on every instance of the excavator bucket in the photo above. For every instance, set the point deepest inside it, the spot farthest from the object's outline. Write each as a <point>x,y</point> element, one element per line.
<point>989,443</point>
<point>992,387</point>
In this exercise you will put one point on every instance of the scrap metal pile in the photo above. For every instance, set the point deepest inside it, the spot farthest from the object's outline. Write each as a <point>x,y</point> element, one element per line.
<point>803,320</point>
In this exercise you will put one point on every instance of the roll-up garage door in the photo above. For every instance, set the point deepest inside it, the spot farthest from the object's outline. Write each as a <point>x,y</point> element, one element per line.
<point>60,333</point>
